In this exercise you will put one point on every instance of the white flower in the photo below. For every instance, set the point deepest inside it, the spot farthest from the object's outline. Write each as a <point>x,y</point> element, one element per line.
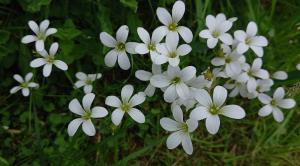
<point>170,53</point>
<point>180,130</point>
<point>250,73</point>
<point>86,80</point>
<point>217,28</point>
<point>249,39</point>
<point>126,105</point>
<point>211,108</point>
<point>48,60</point>
<point>171,27</point>
<point>175,82</point>
<point>25,84</point>
<point>146,76</point>
<point>86,113</point>
<point>274,104</point>
<point>262,86</point>
<point>41,33</point>
<point>231,59</point>
<point>120,47</point>
<point>298,66</point>
<point>149,45</point>
<point>280,75</point>
<point>238,88</point>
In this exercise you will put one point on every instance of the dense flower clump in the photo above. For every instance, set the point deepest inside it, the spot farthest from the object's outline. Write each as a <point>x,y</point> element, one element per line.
<point>204,94</point>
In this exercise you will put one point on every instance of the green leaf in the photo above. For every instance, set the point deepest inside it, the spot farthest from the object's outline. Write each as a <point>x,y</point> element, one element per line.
<point>3,161</point>
<point>132,4</point>
<point>4,36</point>
<point>33,5</point>
<point>68,31</point>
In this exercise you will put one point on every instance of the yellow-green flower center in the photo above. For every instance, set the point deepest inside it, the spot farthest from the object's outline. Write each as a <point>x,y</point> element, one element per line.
<point>151,47</point>
<point>273,102</point>
<point>176,80</point>
<point>89,82</point>
<point>120,46</point>
<point>248,40</point>
<point>24,85</point>
<point>126,107</point>
<point>184,127</point>
<point>215,34</point>
<point>41,36</point>
<point>50,59</point>
<point>228,60</point>
<point>214,110</point>
<point>208,75</point>
<point>250,73</point>
<point>172,54</point>
<point>86,115</point>
<point>172,27</point>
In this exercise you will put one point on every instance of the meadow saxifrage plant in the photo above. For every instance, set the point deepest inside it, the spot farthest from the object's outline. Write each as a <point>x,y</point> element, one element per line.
<point>191,96</point>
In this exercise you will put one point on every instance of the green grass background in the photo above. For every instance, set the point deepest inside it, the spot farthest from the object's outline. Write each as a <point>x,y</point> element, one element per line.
<point>37,125</point>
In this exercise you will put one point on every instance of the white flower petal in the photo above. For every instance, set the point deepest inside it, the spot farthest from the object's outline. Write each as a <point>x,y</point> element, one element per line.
<point>143,75</point>
<point>39,45</point>
<point>187,144</point>
<point>107,40</point>
<point>279,94</point>
<point>240,36</point>
<point>111,58</point>
<point>172,40</point>
<point>265,99</point>
<point>88,100</point>
<point>122,33</point>
<point>210,21</point>
<point>265,111</point>
<point>28,39</point>
<point>163,16</point>
<point>33,26</point>
<point>113,101</point>
<point>61,65</point>
<point>50,31</point>
<point>141,49</point>
<point>25,92</point>
<point>47,70</point>
<point>144,35</point>
<point>28,76</point>
<point>117,116</point>
<point>88,128</point>
<point>242,48</point>
<point>130,47</point>
<point>203,98</point>
<point>233,111</point>
<point>75,107</point>
<point>286,103</point>
<point>159,33</point>
<point>178,11</point>
<point>73,126</point>
<point>87,89</point>
<point>44,25</point>
<point>123,61</point>
<point>170,94</point>
<point>159,81</point>
<point>226,38</point>
<point>174,140</point>
<point>217,61</point>
<point>199,113</point>
<point>169,124</point>
<point>177,112</point>
<point>188,73</point>
<point>150,90</point>
<point>205,34</point>
<point>219,96</point>
<point>251,28</point>
<point>212,124</point>
<point>212,42</point>
<point>251,85</point>
<point>37,62</point>
<point>192,124</point>
<point>182,90</point>
<point>185,33</point>
<point>126,92</point>
<point>53,48</point>
<point>277,114</point>
<point>136,115</point>
<point>18,78</point>
<point>81,76</point>
<point>99,112</point>
<point>259,41</point>
<point>33,85</point>
<point>137,99</point>
<point>183,49</point>
<point>174,61</point>
<point>257,50</point>
<point>15,89</point>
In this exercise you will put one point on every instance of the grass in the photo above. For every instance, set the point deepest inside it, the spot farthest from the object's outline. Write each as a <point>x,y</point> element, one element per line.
<point>37,124</point>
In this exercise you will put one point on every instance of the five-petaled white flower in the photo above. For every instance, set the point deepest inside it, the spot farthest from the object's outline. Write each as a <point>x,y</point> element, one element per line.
<point>126,105</point>
<point>217,28</point>
<point>175,82</point>
<point>211,108</point>
<point>48,60</point>
<point>250,73</point>
<point>120,47</point>
<point>149,45</point>
<point>86,81</point>
<point>41,33</point>
<point>25,84</point>
<point>146,76</point>
<point>170,53</point>
<point>249,39</point>
<point>86,113</point>
<point>171,27</point>
<point>180,130</point>
<point>274,104</point>
<point>231,59</point>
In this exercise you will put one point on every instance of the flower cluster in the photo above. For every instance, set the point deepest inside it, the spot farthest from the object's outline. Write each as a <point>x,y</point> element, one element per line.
<point>204,95</point>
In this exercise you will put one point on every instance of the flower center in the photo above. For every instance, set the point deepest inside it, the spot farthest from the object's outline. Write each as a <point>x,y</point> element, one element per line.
<point>215,34</point>
<point>86,115</point>
<point>41,36</point>
<point>89,82</point>
<point>120,46</point>
<point>250,73</point>
<point>24,85</point>
<point>214,110</point>
<point>151,47</point>
<point>273,102</point>
<point>125,107</point>
<point>172,54</point>
<point>208,75</point>
<point>184,127</point>
<point>228,60</point>
<point>50,59</point>
<point>176,80</point>
<point>172,27</point>
<point>248,40</point>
